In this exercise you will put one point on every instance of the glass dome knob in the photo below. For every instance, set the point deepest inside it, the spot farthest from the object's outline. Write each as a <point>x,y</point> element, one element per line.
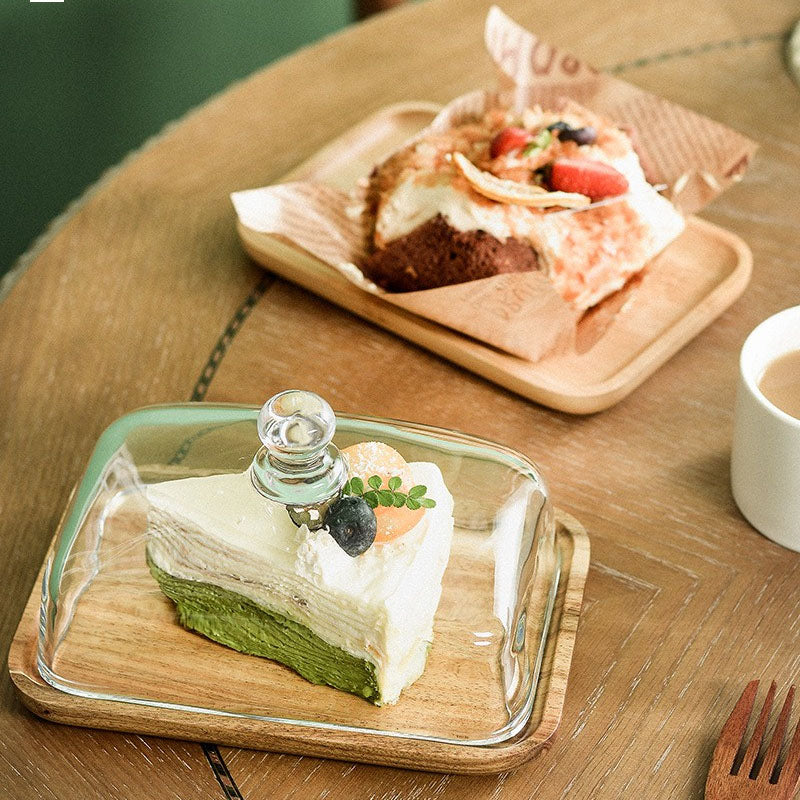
<point>297,464</point>
<point>296,423</point>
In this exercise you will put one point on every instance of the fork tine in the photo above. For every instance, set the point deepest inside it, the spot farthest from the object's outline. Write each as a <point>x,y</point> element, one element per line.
<point>790,772</point>
<point>774,749</point>
<point>758,734</point>
<point>733,730</point>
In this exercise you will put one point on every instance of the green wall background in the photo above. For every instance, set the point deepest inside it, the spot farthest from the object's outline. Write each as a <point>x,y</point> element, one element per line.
<point>83,82</point>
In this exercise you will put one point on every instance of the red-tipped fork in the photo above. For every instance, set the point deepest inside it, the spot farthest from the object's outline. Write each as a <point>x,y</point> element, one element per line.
<point>755,779</point>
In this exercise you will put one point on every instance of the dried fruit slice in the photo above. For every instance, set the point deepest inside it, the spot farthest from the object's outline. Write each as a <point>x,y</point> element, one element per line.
<point>366,459</point>
<point>523,194</point>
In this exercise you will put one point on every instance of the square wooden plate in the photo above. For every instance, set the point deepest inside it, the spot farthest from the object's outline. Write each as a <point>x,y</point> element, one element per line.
<point>620,343</point>
<point>71,709</point>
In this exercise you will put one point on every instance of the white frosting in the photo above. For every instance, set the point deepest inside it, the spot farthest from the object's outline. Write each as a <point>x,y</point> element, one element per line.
<point>378,606</point>
<point>412,203</point>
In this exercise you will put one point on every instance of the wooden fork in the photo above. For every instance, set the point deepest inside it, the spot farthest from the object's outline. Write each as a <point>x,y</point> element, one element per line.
<point>765,779</point>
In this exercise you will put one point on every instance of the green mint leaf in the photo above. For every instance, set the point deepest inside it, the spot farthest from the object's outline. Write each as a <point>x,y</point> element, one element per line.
<point>356,485</point>
<point>426,502</point>
<point>375,482</point>
<point>346,488</point>
<point>412,503</point>
<point>386,497</point>
<point>395,482</point>
<point>399,499</point>
<point>417,491</point>
<point>371,499</point>
<point>540,142</point>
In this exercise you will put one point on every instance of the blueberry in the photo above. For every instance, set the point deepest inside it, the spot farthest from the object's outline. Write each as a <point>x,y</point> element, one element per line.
<point>587,135</point>
<point>352,524</point>
<point>559,126</point>
<point>566,133</point>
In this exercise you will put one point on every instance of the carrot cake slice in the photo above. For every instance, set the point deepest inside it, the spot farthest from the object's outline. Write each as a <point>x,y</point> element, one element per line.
<point>559,191</point>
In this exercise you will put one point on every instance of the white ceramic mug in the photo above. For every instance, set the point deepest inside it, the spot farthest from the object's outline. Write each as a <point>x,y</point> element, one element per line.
<point>765,457</point>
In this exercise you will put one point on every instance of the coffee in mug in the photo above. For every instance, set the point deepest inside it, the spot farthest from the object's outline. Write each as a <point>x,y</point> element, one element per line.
<point>780,383</point>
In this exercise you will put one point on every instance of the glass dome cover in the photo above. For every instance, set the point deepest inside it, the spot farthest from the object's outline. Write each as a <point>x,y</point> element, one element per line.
<point>107,631</point>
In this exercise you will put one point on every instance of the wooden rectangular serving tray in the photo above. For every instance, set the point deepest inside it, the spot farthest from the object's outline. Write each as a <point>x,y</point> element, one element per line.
<point>348,745</point>
<point>620,344</point>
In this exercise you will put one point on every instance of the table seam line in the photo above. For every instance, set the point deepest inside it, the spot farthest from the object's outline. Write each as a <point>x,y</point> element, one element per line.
<point>216,762</point>
<point>221,772</point>
<point>227,336</point>
<point>694,50</point>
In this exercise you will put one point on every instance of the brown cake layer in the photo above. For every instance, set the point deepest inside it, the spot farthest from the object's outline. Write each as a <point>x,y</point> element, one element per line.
<point>437,254</point>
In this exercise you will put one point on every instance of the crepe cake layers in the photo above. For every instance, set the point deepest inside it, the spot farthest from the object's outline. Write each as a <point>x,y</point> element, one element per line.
<point>242,573</point>
<point>559,191</point>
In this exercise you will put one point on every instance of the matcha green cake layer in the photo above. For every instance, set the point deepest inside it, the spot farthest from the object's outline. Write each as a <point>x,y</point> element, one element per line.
<point>235,621</point>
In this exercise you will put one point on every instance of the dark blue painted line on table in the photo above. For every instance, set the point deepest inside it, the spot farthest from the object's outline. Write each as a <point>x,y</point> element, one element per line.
<point>222,773</point>
<point>215,760</point>
<point>228,335</point>
<point>696,50</point>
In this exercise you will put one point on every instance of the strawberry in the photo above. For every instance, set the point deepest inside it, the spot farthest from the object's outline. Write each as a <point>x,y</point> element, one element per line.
<point>584,176</point>
<point>507,140</point>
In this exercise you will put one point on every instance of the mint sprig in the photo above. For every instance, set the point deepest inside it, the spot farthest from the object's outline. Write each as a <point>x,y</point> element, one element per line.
<point>540,142</point>
<point>375,494</point>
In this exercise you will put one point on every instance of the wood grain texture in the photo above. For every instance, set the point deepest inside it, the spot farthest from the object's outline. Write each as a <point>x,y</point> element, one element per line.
<point>618,344</point>
<point>122,307</point>
<point>124,638</point>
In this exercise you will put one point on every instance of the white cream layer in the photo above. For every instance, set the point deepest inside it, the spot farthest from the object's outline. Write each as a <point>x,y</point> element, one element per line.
<point>378,606</point>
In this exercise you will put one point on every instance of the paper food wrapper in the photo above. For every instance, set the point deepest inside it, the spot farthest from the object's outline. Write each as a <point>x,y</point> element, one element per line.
<point>519,313</point>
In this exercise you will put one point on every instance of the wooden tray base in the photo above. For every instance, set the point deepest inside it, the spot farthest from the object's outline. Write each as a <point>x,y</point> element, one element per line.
<point>621,342</point>
<point>57,706</point>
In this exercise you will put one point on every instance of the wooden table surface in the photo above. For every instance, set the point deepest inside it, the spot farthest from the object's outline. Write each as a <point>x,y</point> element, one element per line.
<point>142,296</point>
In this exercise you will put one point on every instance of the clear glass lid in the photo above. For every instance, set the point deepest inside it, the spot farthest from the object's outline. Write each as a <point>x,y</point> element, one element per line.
<point>108,631</point>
